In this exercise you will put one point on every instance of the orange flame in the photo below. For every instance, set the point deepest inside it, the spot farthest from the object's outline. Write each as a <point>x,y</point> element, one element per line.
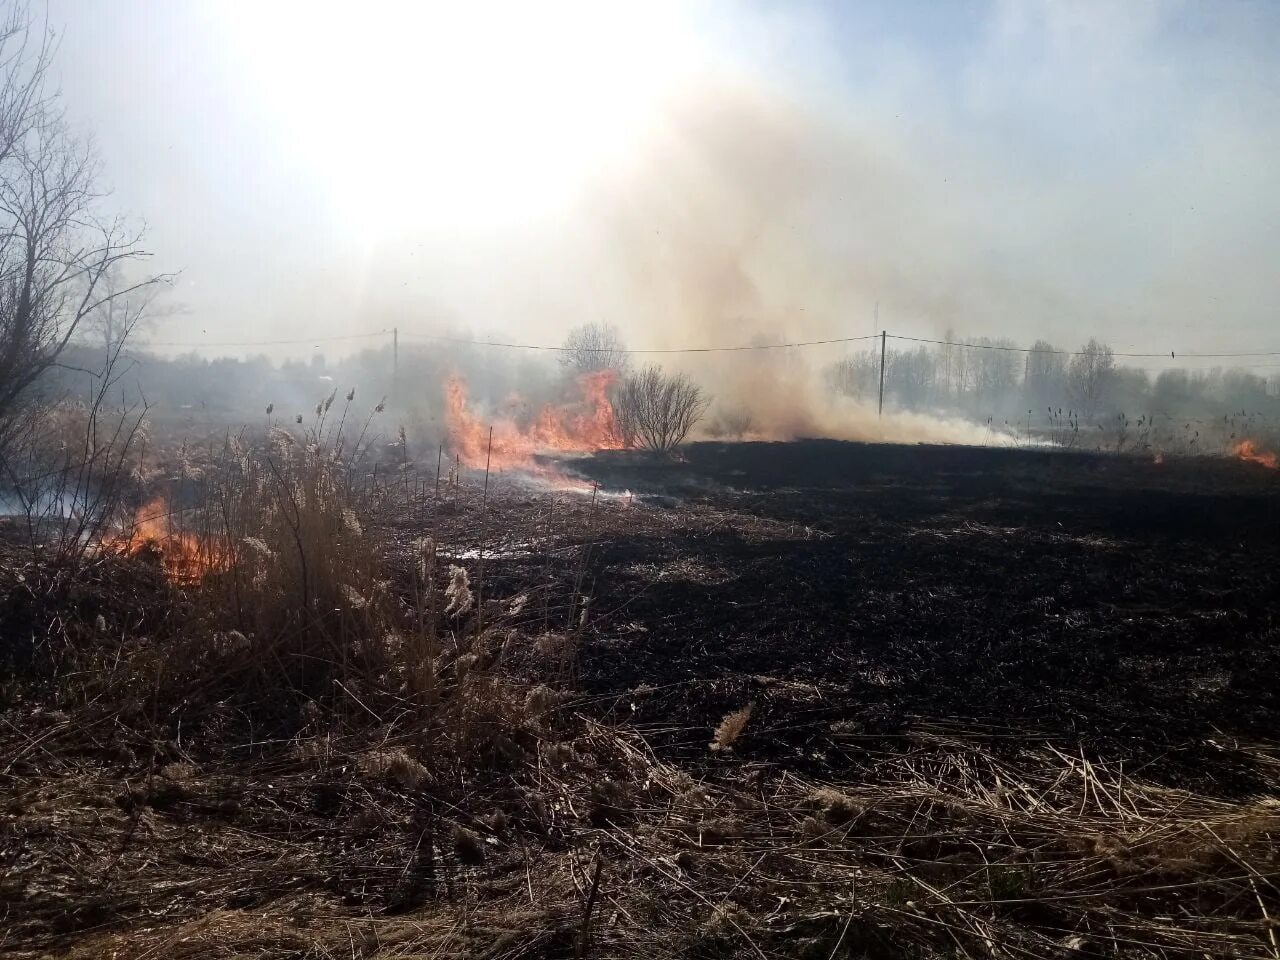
<point>1248,450</point>
<point>184,557</point>
<point>582,427</point>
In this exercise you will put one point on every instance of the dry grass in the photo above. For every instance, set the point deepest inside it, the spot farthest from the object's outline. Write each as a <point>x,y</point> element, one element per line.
<point>730,729</point>
<point>322,751</point>
<point>951,852</point>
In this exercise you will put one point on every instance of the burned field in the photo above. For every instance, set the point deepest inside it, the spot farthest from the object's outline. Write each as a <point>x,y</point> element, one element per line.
<point>812,699</point>
<point>1091,601</point>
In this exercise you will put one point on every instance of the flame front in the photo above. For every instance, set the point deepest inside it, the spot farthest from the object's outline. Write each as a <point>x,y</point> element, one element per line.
<point>582,427</point>
<point>185,557</point>
<point>1248,450</point>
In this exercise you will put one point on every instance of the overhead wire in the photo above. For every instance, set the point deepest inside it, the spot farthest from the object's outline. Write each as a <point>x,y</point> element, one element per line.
<point>561,348</point>
<point>730,348</point>
<point>260,343</point>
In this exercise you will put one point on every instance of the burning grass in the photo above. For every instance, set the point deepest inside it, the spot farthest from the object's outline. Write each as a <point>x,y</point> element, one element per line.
<point>1248,450</point>
<point>584,426</point>
<point>185,557</point>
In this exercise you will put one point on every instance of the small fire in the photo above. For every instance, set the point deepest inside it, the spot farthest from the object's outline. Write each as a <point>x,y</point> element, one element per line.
<point>1158,459</point>
<point>582,427</point>
<point>1248,450</point>
<point>184,557</point>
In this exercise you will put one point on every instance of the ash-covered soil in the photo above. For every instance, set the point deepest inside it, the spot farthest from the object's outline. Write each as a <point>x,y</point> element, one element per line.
<point>855,593</point>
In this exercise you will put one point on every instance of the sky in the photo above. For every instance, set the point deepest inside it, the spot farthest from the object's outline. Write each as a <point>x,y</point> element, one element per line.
<point>697,173</point>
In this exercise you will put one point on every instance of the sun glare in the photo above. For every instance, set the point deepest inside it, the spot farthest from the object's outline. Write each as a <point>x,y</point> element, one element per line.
<point>467,114</point>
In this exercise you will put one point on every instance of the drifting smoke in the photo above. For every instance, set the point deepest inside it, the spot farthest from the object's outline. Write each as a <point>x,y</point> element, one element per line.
<point>1013,198</point>
<point>732,228</point>
<point>789,400</point>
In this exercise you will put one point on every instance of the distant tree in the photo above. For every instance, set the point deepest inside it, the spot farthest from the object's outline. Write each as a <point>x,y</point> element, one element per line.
<point>910,376</point>
<point>1242,390</point>
<point>55,254</point>
<point>1128,392</point>
<point>656,410</point>
<point>995,368</point>
<point>123,309</point>
<point>594,346</point>
<point>1173,392</point>
<point>1045,379</point>
<point>857,375</point>
<point>1089,377</point>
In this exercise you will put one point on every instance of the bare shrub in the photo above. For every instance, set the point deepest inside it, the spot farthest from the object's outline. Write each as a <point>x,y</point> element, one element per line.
<point>656,410</point>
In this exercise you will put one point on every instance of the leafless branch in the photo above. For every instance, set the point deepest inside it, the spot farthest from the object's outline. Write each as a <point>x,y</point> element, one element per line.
<point>61,265</point>
<point>656,410</point>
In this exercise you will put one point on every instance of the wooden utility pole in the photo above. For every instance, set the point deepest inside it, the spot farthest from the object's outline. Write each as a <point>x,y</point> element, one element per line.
<point>395,361</point>
<point>883,337</point>
<point>484,502</point>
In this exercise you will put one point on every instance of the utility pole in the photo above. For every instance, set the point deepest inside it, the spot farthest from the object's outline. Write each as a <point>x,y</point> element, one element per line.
<point>395,361</point>
<point>883,337</point>
<point>488,456</point>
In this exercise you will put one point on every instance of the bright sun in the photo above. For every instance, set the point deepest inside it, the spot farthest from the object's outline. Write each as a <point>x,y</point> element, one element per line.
<point>458,114</point>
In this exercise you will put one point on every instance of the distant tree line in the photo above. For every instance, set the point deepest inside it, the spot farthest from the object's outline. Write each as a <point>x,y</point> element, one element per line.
<point>976,383</point>
<point>998,378</point>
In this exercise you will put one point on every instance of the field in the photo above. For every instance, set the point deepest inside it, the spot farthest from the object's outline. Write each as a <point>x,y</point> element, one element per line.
<point>813,699</point>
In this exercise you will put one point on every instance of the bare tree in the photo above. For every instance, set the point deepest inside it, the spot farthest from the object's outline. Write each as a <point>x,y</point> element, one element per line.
<point>910,377</point>
<point>125,309</point>
<point>55,253</point>
<point>1089,376</point>
<point>594,346</point>
<point>656,410</point>
<point>856,375</point>
<point>1045,374</point>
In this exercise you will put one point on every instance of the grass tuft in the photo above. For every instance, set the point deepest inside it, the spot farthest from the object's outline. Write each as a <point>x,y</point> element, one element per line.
<point>730,729</point>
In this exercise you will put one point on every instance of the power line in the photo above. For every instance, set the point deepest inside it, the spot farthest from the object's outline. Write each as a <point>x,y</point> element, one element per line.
<point>259,343</point>
<point>555,348</point>
<point>629,350</point>
<point>559,348</point>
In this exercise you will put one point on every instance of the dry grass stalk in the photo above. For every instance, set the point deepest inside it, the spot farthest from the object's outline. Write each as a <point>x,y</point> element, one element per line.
<point>730,729</point>
<point>396,767</point>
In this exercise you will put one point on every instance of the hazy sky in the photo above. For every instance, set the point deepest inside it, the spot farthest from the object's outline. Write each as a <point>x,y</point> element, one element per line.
<point>695,172</point>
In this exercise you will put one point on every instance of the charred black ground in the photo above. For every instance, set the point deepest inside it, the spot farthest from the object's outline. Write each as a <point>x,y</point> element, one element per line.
<point>855,590</point>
